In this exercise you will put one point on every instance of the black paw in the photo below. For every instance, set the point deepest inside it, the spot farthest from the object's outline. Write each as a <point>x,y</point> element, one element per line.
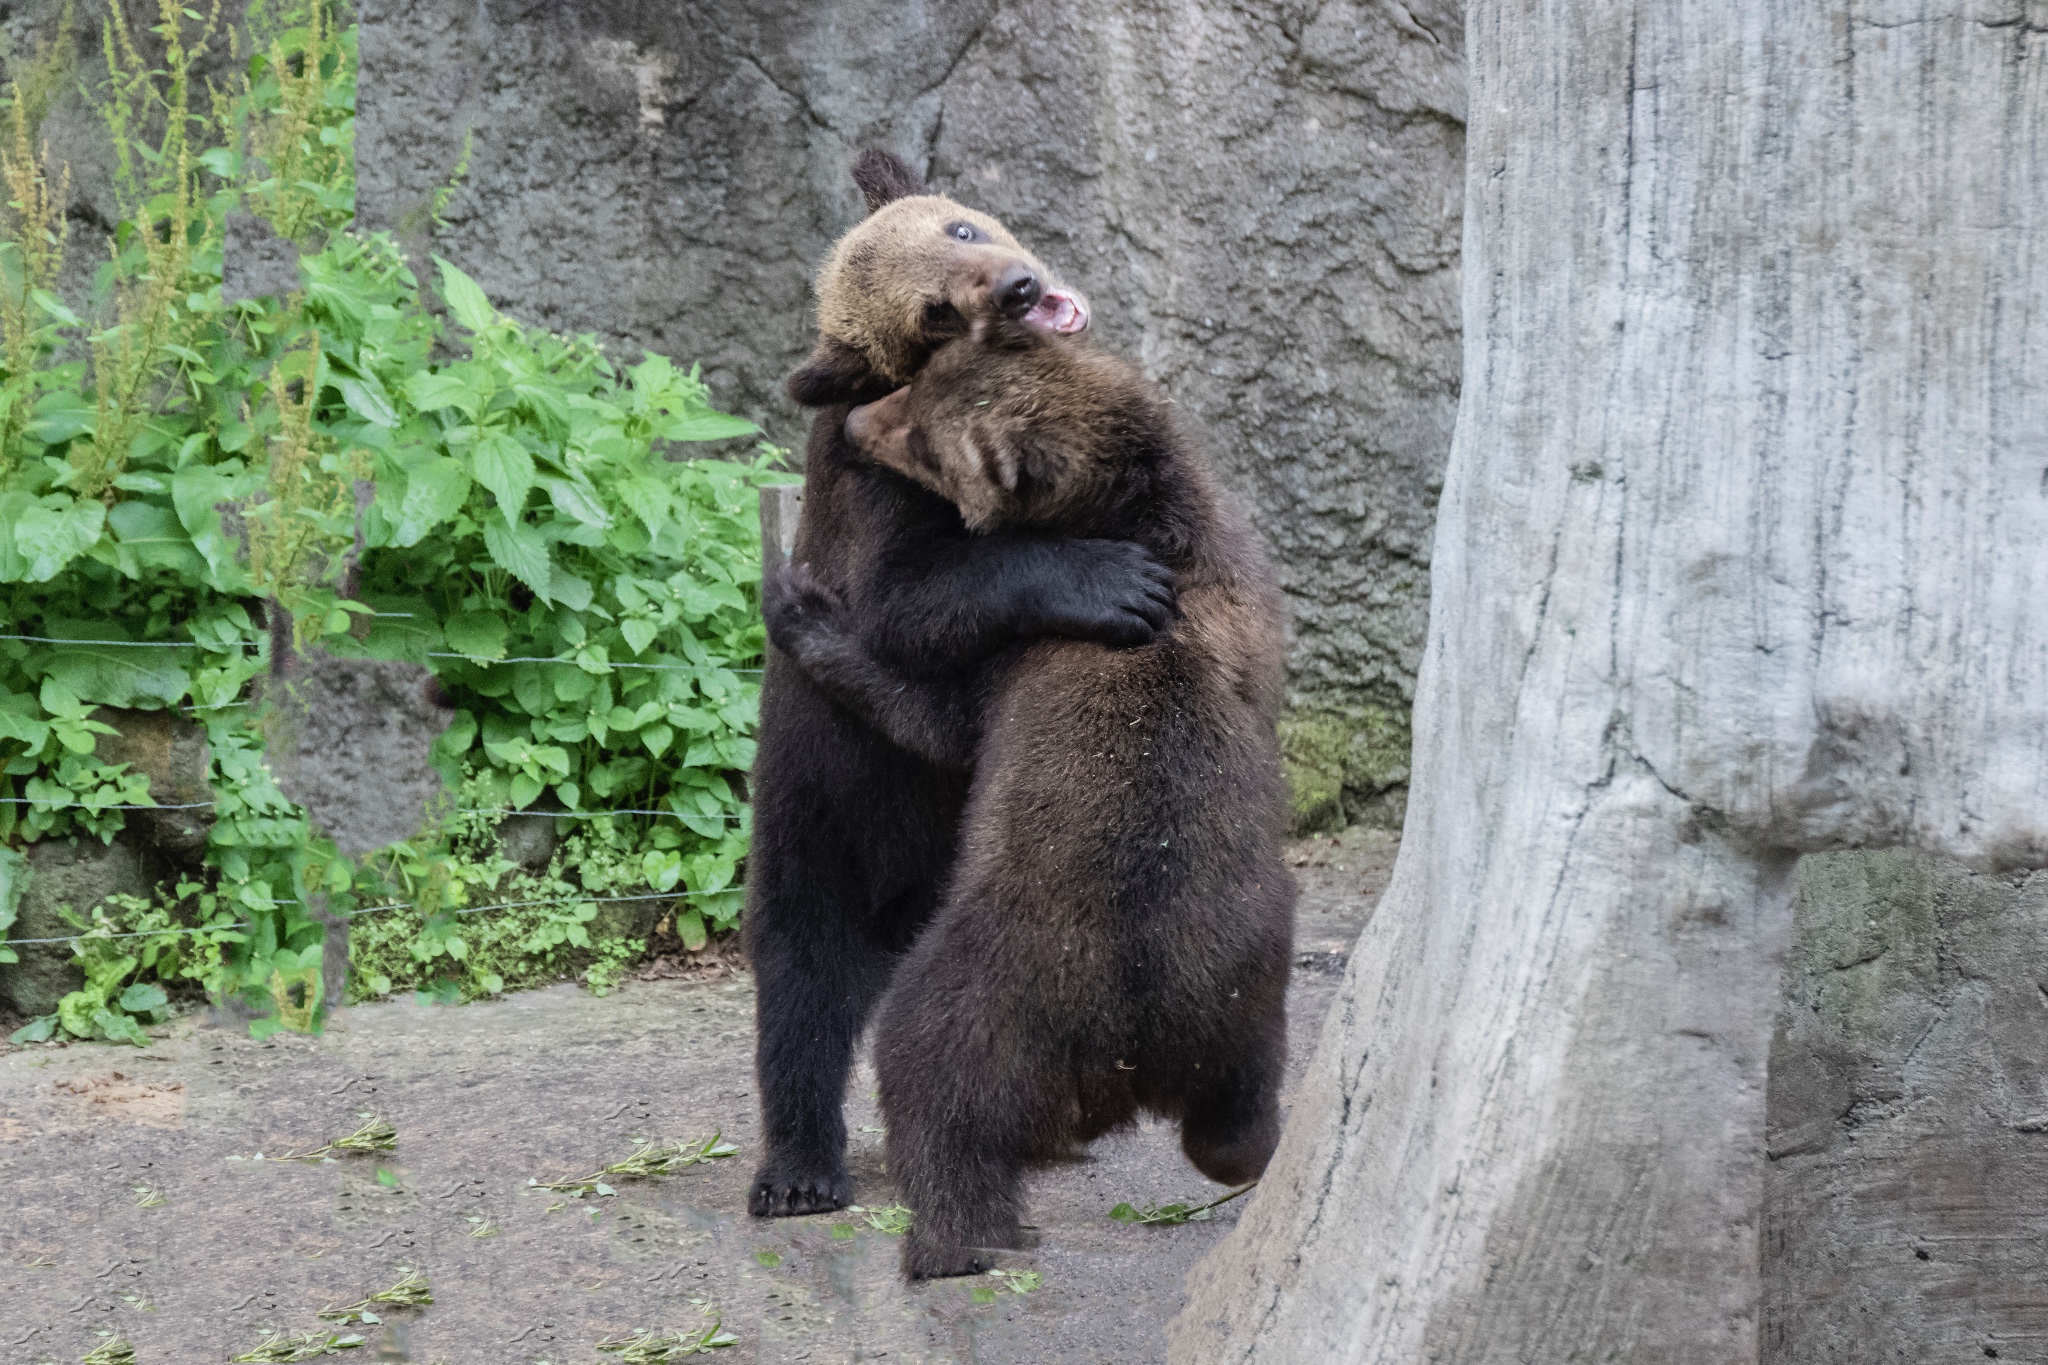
<point>786,1194</point>
<point>795,603</point>
<point>1117,594</point>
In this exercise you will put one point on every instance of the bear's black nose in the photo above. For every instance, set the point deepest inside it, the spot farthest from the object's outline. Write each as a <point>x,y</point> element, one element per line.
<point>1017,291</point>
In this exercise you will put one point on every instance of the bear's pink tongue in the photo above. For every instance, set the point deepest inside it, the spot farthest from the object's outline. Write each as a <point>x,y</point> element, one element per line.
<point>1059,312</point>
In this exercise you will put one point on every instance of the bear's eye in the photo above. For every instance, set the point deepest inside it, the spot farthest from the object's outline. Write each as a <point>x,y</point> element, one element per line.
<point>964,232</point>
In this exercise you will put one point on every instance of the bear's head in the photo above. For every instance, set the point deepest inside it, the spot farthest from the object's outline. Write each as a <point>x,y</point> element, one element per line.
<point>1018,427</point>
<point>914,274</point>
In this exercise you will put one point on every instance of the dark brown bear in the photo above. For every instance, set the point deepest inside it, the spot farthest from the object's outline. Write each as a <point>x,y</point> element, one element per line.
<point>1116,935</point>
<point>853,836</point>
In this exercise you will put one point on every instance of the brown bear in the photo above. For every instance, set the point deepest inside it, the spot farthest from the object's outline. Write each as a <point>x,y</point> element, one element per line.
<point>853,835</point>
<point>1117,934</point>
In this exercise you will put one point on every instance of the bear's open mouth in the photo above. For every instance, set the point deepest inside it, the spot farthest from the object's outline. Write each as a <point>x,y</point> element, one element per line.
<point>1060,312</point>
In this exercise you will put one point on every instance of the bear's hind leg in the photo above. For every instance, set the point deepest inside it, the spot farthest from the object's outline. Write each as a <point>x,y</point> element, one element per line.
<point>1230,1127</point>
<point>817,979</point>
<point>964,1096</point>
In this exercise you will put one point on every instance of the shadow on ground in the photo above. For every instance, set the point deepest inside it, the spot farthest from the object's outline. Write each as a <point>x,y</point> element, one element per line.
<point>128,1210</point>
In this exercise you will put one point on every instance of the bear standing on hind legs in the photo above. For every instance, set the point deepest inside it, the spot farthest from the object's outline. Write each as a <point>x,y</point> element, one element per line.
<point>852,834</point>
<point>1117,934</point>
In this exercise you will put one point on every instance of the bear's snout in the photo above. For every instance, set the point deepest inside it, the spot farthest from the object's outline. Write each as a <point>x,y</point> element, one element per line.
<point>1017,290</point>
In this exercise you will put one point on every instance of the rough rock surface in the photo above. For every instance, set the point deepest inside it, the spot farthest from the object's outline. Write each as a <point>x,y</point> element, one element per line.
<point>1908,1118</point>
<point>67,874</point>
<point>1263,201</point>
<point>348,740</point>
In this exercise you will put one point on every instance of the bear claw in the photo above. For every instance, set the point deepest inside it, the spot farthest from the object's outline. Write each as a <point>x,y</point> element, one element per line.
<point>781,1196</point>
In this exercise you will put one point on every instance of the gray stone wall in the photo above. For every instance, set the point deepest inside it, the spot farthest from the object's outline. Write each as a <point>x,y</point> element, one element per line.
<point>1263,201</point>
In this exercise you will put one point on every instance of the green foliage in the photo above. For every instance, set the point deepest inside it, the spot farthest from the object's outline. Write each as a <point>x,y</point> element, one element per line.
<point>278,1349</point>
<point>658,1348</point>
<point>1174,1214</point>
<point>647,1160</point>
<point>1016,1281</point>
<point>893,1219</point>
<point>170,460</point>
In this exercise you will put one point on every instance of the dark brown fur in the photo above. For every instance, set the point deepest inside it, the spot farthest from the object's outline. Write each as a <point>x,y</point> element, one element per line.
<point>1117,932</point>
<point>854,835</point>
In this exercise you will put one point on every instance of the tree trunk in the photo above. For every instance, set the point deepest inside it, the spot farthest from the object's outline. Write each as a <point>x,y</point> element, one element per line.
<point>1743,552</point>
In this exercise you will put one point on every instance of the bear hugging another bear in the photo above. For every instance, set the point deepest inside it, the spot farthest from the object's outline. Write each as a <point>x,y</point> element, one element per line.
<point>1009,797</point>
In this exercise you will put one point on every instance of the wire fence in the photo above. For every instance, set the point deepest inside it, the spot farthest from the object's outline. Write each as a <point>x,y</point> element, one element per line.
<point>431,654</point>
<point>180,930</point>
<point>172,931</point>
<point>459,810</point>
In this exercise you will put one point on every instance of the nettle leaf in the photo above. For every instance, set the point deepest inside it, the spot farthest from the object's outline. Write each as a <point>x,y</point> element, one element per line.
<point>432,392</point>
<point>19,721</point>
<point>465,298</point>
<point>525,787</point>
<point>639,633</point>
<point>144,998</point>
<point>55,530</point>
<point>366,399</point>
<point>706,426</point>
<point>575,500</point>
<point>571,591</point>
<point>435,490</point>
<point>505,467</point>
<point>482,633</point>
<point>548,408</point>
<point>519,550</point>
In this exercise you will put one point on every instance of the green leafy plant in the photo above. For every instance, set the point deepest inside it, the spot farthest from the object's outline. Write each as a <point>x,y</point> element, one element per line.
<point>646,1161</point>
<point>658,1348</point>
<point>1170,1215</point>
<point>112,1350</point>
<point>279,1349</point>
<point>171,460</point>
<point>892,1219</point>
<point>411,1291</point>
<point>1016,1281</point>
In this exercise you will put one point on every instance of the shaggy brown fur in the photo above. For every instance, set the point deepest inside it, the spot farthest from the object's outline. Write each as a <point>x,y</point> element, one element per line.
<point>1117,933</point>
<point>853,835</point>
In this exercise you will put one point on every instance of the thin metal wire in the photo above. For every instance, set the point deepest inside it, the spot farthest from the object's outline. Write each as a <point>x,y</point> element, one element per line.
<point>589,814</point>
<point>463,810</point>
<point>554,659</point>
<point>431,654</point>
<point>126,644</point>
<point>372,910</point>
<point>87,805</point>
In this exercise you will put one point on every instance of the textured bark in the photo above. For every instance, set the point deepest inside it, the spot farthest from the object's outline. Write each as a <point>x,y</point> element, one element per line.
<point>1908,1118</point>
<point>1740,556</point>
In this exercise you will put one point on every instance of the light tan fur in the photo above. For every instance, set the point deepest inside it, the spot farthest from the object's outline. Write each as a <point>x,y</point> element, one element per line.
<point>883,275</point>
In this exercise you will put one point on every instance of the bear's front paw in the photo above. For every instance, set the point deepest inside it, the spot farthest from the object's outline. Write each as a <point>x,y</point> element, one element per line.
<point>781,1193</point>
<point>797,605</point>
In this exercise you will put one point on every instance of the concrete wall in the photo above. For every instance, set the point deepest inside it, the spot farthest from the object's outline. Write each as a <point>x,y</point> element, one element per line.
<point>1262,200</point>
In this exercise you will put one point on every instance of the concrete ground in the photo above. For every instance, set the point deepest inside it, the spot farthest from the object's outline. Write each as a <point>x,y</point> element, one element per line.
<point>135,1206</point>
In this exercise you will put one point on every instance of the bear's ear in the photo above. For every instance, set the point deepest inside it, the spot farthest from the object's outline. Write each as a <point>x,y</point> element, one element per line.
<point>884,179</point>
<point>834,372</point>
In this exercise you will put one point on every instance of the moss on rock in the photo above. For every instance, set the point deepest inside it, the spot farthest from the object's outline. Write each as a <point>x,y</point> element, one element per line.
<point>1345,764</point>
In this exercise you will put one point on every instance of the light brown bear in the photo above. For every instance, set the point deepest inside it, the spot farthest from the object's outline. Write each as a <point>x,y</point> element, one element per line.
<point>1117,934</point>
